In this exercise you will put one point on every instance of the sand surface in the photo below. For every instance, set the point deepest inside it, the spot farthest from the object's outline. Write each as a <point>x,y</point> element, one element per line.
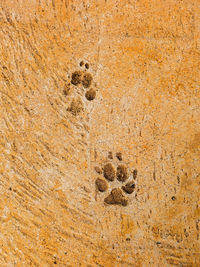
<point>99,133</point>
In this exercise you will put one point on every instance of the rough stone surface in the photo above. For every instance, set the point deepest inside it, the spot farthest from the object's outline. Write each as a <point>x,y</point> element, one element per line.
<point>143,61</point>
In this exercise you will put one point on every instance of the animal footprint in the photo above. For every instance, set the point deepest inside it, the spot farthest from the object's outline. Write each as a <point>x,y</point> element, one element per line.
<point>82,80</point>
<point>120,174</point>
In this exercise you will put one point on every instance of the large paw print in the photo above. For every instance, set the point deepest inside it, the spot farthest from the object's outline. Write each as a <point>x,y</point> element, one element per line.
<point>117,194</point>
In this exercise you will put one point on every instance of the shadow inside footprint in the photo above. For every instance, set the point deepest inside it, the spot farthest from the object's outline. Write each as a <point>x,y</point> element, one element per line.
<point>129,187</point>
<point>87,80</point>
<point>109,172</point>
<point>101,185</point>
<point>122,174</point>
<point>76,77</point>
<point>116,197</point>
<point>90,94</point>
<point>119,156</point>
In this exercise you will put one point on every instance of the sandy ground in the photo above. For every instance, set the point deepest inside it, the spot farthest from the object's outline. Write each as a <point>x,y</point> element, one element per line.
<point>99,133</point>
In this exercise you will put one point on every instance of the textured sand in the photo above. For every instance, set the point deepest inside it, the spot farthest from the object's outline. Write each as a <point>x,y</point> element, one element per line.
<point>137,95</point>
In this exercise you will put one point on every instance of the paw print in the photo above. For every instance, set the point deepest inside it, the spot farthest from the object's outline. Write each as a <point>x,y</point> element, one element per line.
<point>120,176</point>
<point>82,80</point>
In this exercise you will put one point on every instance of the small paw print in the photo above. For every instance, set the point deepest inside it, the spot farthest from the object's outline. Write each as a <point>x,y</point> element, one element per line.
<point>120,174</point>
<point>82,80</point>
